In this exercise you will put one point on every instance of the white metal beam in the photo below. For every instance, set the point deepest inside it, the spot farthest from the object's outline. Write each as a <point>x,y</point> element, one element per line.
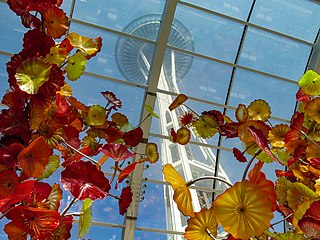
<point>150,98</point>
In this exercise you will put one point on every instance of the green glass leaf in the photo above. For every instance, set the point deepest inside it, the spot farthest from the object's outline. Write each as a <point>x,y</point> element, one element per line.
<point>51,167</point>
<point>126,127</point>
<point>96,115</point>
<point>85,218</point>
<point>263,157</point>
<point>76,66</point>
<point>150,110</point>
<point>310,83</point>
<point>31,74</point>
<point>54,197</point>
<point>290,236</point>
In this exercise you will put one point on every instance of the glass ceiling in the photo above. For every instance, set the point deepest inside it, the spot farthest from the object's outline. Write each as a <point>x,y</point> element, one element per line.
<point>219,52</point>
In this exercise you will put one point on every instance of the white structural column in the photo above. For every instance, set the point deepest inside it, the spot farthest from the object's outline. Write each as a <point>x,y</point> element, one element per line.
<point>150,97</point>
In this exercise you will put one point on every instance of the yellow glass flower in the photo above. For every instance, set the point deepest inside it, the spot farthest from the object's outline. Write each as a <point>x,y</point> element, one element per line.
<point>31,74</point>
<point>183,135</point>
<point>276,135</point>
<point>152,152</point>
<point>182,195</point>
<point>243,210</point>
<point>310,83</point>
<point>313,109</point>
<point>206,126</point>
<point>202,226</point>
<point>56,55</point>
<point>87,45</point>
<point>259,110</point>
<point>299,193</point>
<point>96,115</point>
<point>76,66</point>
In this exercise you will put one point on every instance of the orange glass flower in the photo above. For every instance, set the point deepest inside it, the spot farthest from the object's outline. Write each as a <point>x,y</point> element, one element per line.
<point>243,210</point>
<point>183,135</point>
<point>182,195</point>
<point>242,113</point>
<point>201,226</point>
<point>56,22</point>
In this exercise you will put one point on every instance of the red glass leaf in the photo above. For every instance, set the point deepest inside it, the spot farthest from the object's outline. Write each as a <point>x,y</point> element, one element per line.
<point>37,43</point>
<point>173,136</point>
<point>76,156</point>
<point>239,155</point>
<point>126,171</point>
<point>112,134</point>
<point>133,137</point>
<point>13,232</point>
<point>125,200</point>
<point>310,227</point>
<point>301,96</point>
<point>262,141</point>
<point>84,180</point>
<point>314,210</point>
<point>296,155</point>
<point>117,151</point>
<point>315,162</point>
<point>64,228</point>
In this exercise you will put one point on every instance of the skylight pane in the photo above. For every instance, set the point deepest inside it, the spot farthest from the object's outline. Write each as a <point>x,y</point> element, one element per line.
<point>274,54</point>
<point>300,19</point>
<point>205,79</point>
<point>87,90</point>
<point>12,30</point>
<point>212,35</point>
<point>249,86</point>
<point>115,14</point>
<point>235,8</point>
<point>126,64</point>
<point>3,75</point>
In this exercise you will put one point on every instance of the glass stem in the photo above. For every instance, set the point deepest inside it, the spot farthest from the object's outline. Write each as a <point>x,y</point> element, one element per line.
<point>249,163</point>
<point>189,183</point>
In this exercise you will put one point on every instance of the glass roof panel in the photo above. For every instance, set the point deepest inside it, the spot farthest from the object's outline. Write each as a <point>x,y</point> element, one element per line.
<point>274,54</point>
<point>235,8</point>
<point>124,65</point>
<point>87,90</point>
<point>212,35</point>
<point>12,30</point>
<point>115,14</point>
<point>205,79</point>
<point>3,75</point>
<point>99,232</point>
<point>248,86</point>
<point>300,19</point>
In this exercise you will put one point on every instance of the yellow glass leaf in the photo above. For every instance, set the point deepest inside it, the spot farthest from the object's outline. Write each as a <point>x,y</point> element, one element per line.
<point>31,74</point>
<point>56,56</point>
<point>54,197</point>
<point>259,110</point>
<point>52,166</point>
<point>243,210</point>
<point>313,109</point>
<point>182,195</point>
<point>152,152</point>
<point>299,193</point>
<point>299,212</point>
<point>277,133</point>
<point>96,115</point>
<point>282,185</point>
<point>65,90</point>
<point>201,226</point>
<point>242,113</point>
<point>206,126</point>
<point>289,236</point>
<point>317,186</point>
<point>180,99</point>
<point>76,66</point>
<point>85,44</point>
<point>310,83</point>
